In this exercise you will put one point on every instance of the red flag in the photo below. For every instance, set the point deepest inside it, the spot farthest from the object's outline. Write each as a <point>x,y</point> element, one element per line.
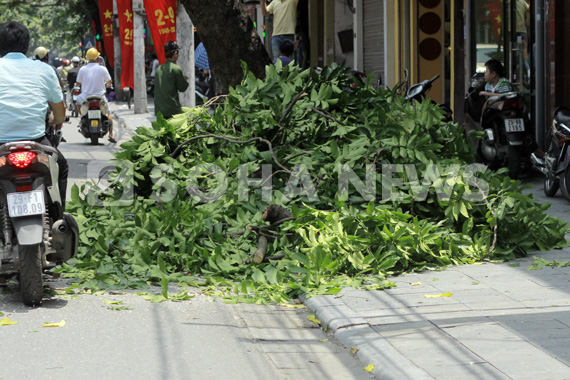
<point>106,14</point>
<point>496,19</point>
<point>161,15</point>
<point>125,10</point>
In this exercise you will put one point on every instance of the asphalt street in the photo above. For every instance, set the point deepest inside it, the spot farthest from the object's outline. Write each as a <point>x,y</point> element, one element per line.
<point>123,336</point>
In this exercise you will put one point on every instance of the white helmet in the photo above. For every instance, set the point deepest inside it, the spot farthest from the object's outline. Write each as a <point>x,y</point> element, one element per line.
<point>75,59</point>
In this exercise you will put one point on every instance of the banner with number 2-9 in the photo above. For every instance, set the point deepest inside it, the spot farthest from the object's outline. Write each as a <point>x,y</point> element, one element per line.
<point>161,15</point>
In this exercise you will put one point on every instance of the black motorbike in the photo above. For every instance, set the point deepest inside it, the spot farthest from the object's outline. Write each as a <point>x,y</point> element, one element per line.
<point>555,163</point>
<point>508,138</point>
<point>95,122</point>
<point>36,233</point>
<point>419,91</point>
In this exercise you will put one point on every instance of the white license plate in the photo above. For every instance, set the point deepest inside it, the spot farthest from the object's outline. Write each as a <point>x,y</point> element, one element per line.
<point>26,203</point>
<point>94,114</point>
<point>74,97</point>
<point>514,125</point>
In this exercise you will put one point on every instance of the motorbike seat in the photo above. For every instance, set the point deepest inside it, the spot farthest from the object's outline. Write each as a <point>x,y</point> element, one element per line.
<point>562,115</point>
<point>102,102</point>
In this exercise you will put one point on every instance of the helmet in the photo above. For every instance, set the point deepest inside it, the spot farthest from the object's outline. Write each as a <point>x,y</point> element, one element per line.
<point>40,52</point>
<point>92,54</point>
<point>75,59</point>
<point>65,62</point>
<point>170,46</point>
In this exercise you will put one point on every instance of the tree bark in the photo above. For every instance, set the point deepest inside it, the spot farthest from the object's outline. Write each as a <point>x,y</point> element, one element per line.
<point>229,37</point>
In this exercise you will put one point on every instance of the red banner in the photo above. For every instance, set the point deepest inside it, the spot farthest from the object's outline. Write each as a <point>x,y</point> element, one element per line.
<point>161,15</point>
<point>496,19</point>
<point>125,10</point>
<point>106,14</point>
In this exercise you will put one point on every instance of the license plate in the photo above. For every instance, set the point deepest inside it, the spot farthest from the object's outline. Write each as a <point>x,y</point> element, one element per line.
<point>514,125</point>
<point>74,98</point>
<point>26,203</point>
<point>94,114</point>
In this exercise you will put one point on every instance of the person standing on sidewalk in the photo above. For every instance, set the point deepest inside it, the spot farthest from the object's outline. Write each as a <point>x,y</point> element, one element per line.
<point>94,79</point>
<point>284,22</point>
<point>169,80</point>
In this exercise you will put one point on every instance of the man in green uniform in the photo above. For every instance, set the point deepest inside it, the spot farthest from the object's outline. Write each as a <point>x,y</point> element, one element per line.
<point>168,81</point>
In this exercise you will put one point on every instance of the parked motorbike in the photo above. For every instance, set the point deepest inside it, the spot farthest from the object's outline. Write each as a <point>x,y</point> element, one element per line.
<point>150,86</point>
<point>95,122</point>
<point>36,233</point>
<point>554,164</point>
<point>508,138</point>
<point>419,91</point>
<point>204,89</point>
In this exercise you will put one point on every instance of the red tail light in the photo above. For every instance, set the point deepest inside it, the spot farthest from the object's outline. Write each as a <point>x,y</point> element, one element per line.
<point>21,159</point>
<point>24,188</point>
<point>511,104</point>
<point>76,92</point>
<point>94,105</point>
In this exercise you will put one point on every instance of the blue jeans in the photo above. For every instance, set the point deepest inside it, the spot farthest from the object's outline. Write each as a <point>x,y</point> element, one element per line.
<point>276,42</point>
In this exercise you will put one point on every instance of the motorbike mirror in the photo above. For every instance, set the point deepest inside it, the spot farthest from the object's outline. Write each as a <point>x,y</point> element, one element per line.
<point>434,78</point>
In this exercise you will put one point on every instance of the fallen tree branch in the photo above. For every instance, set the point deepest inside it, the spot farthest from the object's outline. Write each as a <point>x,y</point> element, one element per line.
<point>299,96</point>
<point>495,231</point>
<point>274,213</point>
<point>228,139</point>
<point>325,115</point>
<point>261,250</point>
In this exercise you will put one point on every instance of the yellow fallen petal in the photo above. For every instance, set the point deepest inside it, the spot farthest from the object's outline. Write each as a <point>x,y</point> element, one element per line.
<point>438,295</point>
<point>369,368</point>
<point>416,283</point>
<point>7,322</point>
<point>354,350</point>
<point>313,319</point>
<point>60,324</point>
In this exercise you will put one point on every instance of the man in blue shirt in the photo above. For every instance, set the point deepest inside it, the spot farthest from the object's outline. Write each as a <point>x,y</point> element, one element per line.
<point>26,88</point>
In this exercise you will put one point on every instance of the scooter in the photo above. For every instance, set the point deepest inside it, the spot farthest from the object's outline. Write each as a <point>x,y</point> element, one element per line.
<point>419,91</point>
<point>73,105</point>
<point>95,121</point>
<point>508,138</point>
<point>555,163</point>
<point>35,232</point>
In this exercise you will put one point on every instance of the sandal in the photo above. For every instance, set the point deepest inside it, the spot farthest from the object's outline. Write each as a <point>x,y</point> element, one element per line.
<point>112,140</point>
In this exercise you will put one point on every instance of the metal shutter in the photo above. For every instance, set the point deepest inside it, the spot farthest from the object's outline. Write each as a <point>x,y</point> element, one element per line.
<point>373,20</point>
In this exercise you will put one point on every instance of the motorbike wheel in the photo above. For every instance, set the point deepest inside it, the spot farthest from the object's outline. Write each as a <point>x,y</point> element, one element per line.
<point>513,161</point>
<point>551,186</point>
<point>31,281</point>
<point>564,181</point>
<point>94,138</point>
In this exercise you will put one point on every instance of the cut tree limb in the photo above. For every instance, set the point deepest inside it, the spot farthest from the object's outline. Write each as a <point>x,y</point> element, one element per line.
<point>274,213</point>
<point>261,250</point>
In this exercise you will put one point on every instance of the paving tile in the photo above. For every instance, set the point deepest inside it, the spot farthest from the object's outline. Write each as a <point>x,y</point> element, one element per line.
<point>415,299</point>
<point>437,353</point>
<point>508,352</point>
<point>371,300</point>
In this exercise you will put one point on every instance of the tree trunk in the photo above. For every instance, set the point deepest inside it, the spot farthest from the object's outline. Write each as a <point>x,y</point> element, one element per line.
<point>229,38</point>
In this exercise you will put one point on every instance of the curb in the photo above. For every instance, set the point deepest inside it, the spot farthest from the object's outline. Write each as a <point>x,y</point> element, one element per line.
<point>354,331</point>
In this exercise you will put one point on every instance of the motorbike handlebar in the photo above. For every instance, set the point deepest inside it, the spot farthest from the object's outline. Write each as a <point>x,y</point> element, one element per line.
<point>434,78</point>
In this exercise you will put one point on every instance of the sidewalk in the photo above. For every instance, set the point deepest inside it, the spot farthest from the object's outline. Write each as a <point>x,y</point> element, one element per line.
<point>128,121</point>
<point>502,321</point>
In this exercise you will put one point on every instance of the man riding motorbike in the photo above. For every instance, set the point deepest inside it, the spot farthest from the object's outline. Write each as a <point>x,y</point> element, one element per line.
<point>33,84</point>
<point>94,79</point>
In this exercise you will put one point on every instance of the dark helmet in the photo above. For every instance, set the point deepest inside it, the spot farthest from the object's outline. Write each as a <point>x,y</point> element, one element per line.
<point>171,46</point>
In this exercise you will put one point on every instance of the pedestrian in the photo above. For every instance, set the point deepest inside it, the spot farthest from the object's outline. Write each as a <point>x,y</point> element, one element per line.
<point>154,64</point>
<point>26,89</point>
<point>168,81</point>
<point>94,79</point>
<point>285,52</point>
<point>495,78</point>
<point>284,22</point>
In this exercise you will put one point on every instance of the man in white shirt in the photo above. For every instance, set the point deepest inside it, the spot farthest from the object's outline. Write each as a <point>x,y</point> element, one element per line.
<point>94,80</point>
